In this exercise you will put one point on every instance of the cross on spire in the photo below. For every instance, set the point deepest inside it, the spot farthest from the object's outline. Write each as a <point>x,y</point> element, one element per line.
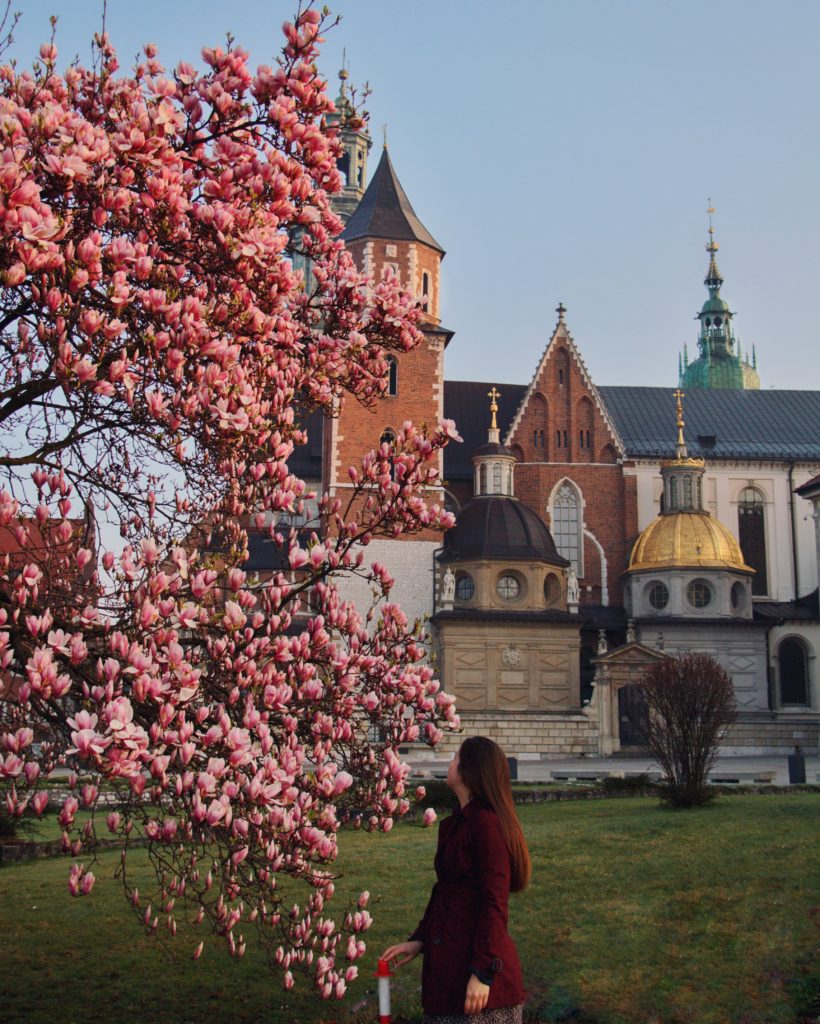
<point>560,309</point>
<point>494,394</point>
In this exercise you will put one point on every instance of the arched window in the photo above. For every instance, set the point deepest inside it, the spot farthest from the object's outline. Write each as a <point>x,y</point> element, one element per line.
<point>482,478</point>
<point>793,672</point>
<point>751,528</point>
<point>392,375</point>
<point>425,291</point>
<point>496,478</point>
<point>567,525</point>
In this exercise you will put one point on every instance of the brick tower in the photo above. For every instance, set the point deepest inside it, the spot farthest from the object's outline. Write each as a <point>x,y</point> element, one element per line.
<point>385,231</point>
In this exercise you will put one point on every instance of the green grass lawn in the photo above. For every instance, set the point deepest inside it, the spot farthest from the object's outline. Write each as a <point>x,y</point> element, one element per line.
<point>636,915</point>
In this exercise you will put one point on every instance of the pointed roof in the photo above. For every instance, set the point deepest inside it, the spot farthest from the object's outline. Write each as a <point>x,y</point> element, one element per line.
<point>385,211</point>
<point>561,331</point>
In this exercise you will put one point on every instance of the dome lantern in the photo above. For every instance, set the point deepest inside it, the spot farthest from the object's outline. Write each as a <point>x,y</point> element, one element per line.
<point>686,562</point>
<point>493,462</point>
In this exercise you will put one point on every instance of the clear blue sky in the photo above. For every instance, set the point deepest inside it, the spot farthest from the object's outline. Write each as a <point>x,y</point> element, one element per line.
<point>565,151</point>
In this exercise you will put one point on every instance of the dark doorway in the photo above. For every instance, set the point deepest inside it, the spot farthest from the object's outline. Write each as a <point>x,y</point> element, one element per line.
<point>631,716</point>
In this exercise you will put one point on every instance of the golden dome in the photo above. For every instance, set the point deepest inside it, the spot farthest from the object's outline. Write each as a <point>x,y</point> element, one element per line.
<point>687,540</point>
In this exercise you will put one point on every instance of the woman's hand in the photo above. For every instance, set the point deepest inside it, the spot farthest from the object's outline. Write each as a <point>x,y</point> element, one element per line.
<point>477,995</point>
<point>402,953</point>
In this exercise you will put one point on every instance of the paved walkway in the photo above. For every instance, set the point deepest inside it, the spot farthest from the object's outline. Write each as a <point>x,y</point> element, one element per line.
<point>744,769</point>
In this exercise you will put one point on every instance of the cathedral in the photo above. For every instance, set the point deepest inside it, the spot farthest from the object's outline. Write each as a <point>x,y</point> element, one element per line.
<point>598,528</point>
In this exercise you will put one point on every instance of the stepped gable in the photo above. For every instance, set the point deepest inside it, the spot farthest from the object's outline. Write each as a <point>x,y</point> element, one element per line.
<point>385,211</point>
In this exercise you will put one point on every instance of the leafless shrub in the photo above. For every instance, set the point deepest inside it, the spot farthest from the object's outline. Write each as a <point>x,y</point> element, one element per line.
<point>690,703</point>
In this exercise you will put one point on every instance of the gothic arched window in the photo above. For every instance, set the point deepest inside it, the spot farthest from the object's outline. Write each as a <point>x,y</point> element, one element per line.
<point>751,528</point>
<point>425,291</point>
<point>793,672</point>
<point>567,526</point>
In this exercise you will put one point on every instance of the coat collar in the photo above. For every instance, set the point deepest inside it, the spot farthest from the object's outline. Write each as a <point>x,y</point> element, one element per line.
<point>472,808</point>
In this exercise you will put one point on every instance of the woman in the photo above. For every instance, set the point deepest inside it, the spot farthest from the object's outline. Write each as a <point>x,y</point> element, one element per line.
<point>471,970</point>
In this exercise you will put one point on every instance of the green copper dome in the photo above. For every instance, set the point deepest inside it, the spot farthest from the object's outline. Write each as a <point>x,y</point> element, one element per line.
<point>715,305</point>
<point>719,363</point>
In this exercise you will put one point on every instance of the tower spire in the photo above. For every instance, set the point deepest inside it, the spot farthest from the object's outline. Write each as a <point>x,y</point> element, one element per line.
<point>719,363</point>
<point>351,124</point>
<point>713,279</point>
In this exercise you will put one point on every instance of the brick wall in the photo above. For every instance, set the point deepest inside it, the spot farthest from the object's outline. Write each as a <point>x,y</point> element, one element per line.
<point>357,429</point>
<point>563,433</point>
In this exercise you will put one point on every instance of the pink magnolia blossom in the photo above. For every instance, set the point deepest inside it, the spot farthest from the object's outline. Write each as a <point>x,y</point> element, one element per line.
<point>161,343</point>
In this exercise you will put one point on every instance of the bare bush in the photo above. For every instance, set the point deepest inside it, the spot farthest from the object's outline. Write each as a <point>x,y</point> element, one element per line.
<point>690,703</point>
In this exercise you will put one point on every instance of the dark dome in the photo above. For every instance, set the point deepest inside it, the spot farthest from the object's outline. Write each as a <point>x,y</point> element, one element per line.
<point>494,449</point>
<point>499,527</point>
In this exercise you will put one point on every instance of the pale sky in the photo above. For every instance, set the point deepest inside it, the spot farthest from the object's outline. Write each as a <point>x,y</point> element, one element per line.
<point>566,151</point>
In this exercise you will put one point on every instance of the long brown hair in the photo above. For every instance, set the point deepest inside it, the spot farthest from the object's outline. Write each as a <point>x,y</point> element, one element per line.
<point>483,768</point>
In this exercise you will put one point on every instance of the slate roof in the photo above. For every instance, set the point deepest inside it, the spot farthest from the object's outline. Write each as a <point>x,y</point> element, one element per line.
<point>385,211</point>
<point>809,487</point>
<point>743,424</point>
<point>466,402</point>
<point>805,608</point>
<point>720,424</point>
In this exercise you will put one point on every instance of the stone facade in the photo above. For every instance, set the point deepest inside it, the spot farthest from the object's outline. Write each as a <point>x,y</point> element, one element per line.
<point>528,736</point>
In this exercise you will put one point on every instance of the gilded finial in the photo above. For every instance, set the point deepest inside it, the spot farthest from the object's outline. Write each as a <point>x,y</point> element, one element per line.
<point>384,132</point>
<point>678,395</point>
<point>494,394</point>
<point>711,245</point>
<point>343,76</point>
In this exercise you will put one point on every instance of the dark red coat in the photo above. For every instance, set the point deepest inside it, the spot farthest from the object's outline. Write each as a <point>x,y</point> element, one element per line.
<point>464,927</point>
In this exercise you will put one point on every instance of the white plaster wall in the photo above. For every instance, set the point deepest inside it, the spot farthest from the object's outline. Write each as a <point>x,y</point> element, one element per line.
<point>410,563</point>
<point>742,652</point>
<point>722,485</point>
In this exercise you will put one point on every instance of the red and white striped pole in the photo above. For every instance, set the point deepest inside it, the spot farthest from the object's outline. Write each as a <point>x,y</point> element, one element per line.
<point>383,975</point>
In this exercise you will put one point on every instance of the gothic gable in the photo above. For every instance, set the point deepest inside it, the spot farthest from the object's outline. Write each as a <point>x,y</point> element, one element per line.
<point>562,417</point>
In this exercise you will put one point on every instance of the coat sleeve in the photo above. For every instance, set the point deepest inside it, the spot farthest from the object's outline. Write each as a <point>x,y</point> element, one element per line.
<point>493,861</point>
<point>419,932</point>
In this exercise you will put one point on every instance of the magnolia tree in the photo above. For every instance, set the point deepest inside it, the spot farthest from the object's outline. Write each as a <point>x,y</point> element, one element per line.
<point>159,354</point>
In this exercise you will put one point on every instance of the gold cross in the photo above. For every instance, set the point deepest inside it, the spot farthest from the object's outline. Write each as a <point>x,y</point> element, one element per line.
<point>493,394</point>
<point>678,395</point>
